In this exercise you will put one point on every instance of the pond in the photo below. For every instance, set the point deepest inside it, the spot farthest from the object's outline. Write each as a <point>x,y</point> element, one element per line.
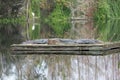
<point>59,67</point>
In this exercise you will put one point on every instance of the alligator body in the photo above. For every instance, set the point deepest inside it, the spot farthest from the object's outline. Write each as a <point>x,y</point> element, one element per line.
<point>63,41</point>
<point>37,41</point>
<point>88,41</point>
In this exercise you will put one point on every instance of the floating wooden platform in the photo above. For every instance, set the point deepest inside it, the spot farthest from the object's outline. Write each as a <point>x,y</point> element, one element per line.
<point>79,49</point>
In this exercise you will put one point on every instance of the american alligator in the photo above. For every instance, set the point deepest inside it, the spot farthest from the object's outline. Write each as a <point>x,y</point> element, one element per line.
<point>88,41</point>
<point>37,41</point>
<point>63,41</point>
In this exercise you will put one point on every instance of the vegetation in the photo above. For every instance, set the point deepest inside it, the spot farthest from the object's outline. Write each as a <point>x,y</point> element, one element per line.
<point>107,9</point>
<point>59,19</point>
<point>109,30</point>
<point>114,9</point>
<point>11,20</point>
<point>52,13</point>
<point>107,17</point>
<point>102,10</point>
<point>34,34</point>
<point>35,7</point>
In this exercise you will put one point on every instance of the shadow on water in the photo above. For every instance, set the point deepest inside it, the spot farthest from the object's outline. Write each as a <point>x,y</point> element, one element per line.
<point>57,67</point>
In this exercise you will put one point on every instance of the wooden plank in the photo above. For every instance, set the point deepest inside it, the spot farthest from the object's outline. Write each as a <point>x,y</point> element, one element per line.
<point>57,48</point>
<point>46,52</point>
<point>38,45</point>
<point>105,45</point>
<point>112,45</point>
<point>47,48</point>
<point>94,53</point>
<point>58,52</point>
<point>78,49</point>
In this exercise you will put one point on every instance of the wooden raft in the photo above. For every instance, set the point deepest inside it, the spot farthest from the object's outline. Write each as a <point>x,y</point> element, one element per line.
<point>79,49</point>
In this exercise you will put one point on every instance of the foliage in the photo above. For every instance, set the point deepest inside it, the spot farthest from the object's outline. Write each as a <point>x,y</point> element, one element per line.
<point>58,19</point>
<point>102,10</point>
<point>11,20</point>
<point>107,9</point>
<point>34,34</point>
<point>35,7</point>
<point>114,9</point>
<point>107,15</point>
<point>68,3</point>
<point>108,30</point>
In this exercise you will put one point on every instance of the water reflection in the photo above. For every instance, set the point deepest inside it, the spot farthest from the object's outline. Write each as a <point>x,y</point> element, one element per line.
<point>77,30</point>
<point>83,29</point>
<point>9,34</point>
<point>106,31</point>
<point>59,67</point>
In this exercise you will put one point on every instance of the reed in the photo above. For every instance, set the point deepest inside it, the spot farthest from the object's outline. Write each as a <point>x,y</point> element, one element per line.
<point>107,9</point>
<point>102,10</point>
<point>114,9</point>
<point>108,31</point>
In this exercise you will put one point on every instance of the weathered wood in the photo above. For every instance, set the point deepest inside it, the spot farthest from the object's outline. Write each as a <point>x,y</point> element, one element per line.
<point>112,45</point>
<point>71,49</point>
<point>69,52</point>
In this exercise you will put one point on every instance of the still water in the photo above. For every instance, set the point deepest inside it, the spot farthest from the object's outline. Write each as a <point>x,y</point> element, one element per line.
<point>59,67</point>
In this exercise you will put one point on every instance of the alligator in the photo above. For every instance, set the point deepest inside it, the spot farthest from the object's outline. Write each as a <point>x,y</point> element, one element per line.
<point>37,41</point>
<point>63,41</point>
